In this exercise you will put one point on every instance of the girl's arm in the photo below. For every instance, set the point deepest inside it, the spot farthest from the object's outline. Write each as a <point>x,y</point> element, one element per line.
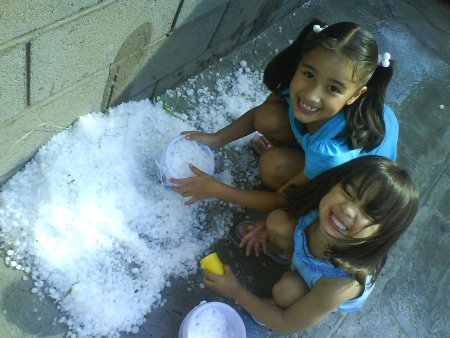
<point>324,298</point>
<point>299,180</point>
<point>239,128</point>
<point>205,186</point>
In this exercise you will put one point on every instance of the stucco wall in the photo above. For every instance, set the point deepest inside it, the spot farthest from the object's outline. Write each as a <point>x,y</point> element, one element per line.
<point>62,59</point>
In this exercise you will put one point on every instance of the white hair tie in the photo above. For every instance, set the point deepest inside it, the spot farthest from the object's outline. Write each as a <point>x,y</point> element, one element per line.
<point>318,29</point>
<point>383,60</point>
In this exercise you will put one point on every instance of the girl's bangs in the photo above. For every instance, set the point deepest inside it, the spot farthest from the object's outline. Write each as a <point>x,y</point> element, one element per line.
<point>384,198</point>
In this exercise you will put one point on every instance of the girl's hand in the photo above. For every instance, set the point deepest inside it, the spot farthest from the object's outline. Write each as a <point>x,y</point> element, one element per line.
<point>255,238</point>
<point>211,140</point>
<point>199,187</point>
<point>226,285</point>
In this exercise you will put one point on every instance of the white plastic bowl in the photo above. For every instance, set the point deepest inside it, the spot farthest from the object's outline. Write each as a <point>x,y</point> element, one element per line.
<point>166,172</point>
<point>235,327</point>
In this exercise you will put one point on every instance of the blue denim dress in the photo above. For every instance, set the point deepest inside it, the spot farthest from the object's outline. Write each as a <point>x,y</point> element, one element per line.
<point>312,269</point>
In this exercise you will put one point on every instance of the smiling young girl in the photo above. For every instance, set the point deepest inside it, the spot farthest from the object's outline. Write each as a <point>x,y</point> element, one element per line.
<point>326,108</point>
<point>337,232</point>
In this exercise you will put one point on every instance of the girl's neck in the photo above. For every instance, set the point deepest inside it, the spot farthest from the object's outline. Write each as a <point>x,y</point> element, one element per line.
<point>317,241</point>
<point>313,127</point>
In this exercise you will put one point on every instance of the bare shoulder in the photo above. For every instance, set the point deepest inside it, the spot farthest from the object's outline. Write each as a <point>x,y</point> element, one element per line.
<point>275,103</point>
<point>275,98</point>
<point>338,290</point>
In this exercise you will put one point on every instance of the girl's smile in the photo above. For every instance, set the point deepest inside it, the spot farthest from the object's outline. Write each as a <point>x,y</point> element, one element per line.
<point>306,109</point>
<point>337,224</point>
<point>323,84</point>
<point>342,213</point>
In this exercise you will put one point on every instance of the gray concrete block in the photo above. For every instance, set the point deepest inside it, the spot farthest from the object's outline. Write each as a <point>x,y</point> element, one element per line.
<point>64,55</point>
<point>194,9</point>
<point>17,18</point>
<point>13,82</point>
<point>275,13</point>
<point>238,15</point>
<point>175,51</point>
<point>125,68</point>
<point>22,135</point>
<point>188,70</point>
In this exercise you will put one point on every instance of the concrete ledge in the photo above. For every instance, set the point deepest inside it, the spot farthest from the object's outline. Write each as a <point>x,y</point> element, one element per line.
<point>18,17</point>
<point>64,55</point>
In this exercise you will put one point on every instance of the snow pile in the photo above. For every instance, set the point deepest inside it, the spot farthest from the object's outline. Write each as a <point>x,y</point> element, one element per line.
<point>89,222</point>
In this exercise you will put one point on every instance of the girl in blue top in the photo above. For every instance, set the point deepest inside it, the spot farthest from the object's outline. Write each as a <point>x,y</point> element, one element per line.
<point>327,98</point>
<point>337,232</point>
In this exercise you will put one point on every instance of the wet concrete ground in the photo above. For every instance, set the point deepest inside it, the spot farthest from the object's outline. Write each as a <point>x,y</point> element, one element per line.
<point>411,298</point>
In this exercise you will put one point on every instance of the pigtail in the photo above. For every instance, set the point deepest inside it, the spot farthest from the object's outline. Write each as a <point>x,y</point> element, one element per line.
<point>365,122</point>
<point>281,69</point>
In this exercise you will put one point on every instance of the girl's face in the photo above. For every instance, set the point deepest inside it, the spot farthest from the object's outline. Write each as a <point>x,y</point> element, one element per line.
<point>342,213</point>
<point>322,85</point>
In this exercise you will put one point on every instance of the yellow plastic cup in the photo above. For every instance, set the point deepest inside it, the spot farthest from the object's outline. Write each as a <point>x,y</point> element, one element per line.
<point>213,264</point>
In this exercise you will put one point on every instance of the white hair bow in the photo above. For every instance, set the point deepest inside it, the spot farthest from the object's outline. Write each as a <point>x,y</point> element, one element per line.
<point>318,29</point>
<point>383,60</point>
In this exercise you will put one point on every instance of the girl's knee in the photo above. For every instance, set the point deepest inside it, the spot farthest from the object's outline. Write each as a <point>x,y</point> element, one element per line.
<point>264,121</point>
<point>278,224</point>
<point>280,294</point>
<point>272,169</point>
<point>266,171</point>
<point>289,289</point>
<point>271,118</point>
<point>279,165</point>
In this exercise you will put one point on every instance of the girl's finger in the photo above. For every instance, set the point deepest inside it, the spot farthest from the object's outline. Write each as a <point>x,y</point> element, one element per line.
<point>195,170</point>
<point>249,249</point>
<point>191,201</point>
<point>226,268</point>
<point>180,181</point>
<point>256,247</point>
<point>264,246</point>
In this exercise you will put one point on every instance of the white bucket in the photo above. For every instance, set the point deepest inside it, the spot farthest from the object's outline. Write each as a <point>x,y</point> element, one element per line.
<point>198,323</point>
<point>166,171</point>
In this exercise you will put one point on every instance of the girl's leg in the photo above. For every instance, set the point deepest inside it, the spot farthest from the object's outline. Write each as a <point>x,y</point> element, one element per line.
<point>281,233</point>
<point>279,165</point>
<point>271,119</point>
<point>289,289</point>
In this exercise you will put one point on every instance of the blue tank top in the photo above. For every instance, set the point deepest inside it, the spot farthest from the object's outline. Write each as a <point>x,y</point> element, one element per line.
<point>312,269</point>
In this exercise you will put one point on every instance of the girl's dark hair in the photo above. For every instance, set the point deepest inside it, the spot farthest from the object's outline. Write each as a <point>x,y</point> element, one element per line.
<point>393,203</point>
<point>365,123</point>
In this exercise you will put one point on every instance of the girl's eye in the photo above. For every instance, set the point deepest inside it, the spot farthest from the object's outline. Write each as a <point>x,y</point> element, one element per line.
<point>334,89</point>
<point>347,192</point>
<point>309,75</point>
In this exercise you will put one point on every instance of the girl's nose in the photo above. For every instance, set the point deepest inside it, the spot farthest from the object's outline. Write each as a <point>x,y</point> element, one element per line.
<point>349,209</point>
<point>313,94</point>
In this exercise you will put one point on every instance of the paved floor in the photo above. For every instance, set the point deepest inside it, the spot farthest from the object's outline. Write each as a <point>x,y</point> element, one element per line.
<point>411,298</point>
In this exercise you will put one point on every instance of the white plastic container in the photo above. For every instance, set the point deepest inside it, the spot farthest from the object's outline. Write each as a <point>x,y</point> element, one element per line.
<point>212,320</point>
<point>168,166</point>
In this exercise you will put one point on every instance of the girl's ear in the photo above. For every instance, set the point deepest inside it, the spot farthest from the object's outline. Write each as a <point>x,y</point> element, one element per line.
<point>357,94</point>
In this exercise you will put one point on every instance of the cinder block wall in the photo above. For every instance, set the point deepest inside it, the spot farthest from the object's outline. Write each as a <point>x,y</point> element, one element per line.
<point>62,59</point>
